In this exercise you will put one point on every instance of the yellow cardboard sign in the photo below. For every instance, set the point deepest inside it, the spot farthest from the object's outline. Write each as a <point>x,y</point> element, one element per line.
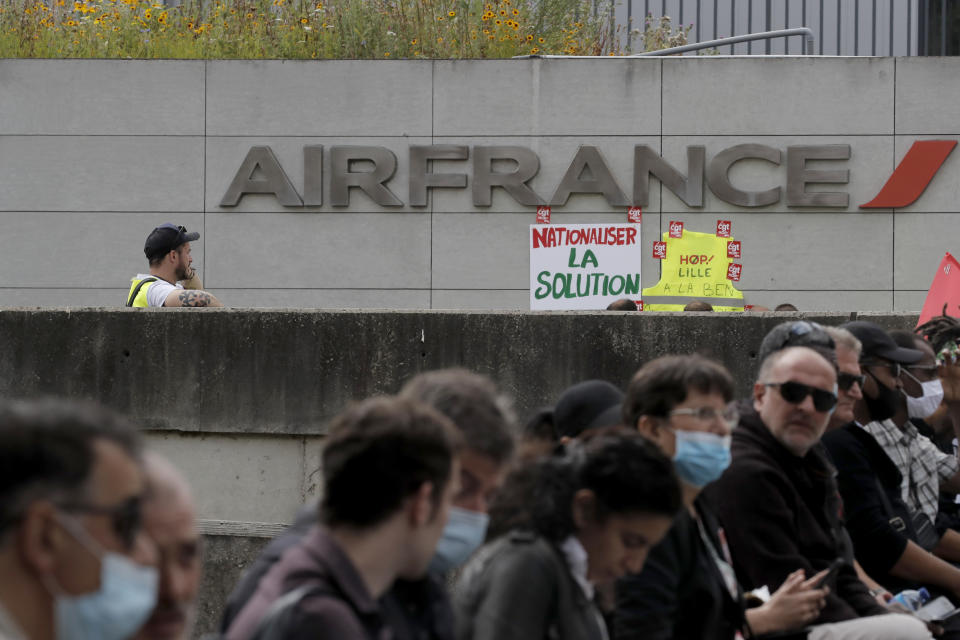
<point>695,268</point>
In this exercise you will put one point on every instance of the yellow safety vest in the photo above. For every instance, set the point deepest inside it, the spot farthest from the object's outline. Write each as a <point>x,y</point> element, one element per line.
<point>141,299</point>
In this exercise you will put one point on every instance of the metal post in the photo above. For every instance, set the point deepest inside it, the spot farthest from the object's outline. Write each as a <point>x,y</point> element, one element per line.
<point>733,22</point>
<point>856,27</point>
<point>749,25</point>
<point>943,27</point>
<point>766,9</point>
<point>891,28</point>
<point>873,35</point>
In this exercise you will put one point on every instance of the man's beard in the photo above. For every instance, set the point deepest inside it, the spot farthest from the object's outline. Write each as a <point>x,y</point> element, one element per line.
<point>183,273</point>
<point>886,403</point>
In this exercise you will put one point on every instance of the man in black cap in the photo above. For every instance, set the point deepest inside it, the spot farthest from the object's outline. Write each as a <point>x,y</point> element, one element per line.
<point>172,281</point>
<point>923,467</point>
<point>880,523</point>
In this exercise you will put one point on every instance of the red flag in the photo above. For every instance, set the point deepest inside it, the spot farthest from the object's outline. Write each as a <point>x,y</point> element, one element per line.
<point>944,290</point>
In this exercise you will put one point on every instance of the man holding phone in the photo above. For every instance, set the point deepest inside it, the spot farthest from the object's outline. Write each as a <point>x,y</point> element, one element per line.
<point>778,500</point>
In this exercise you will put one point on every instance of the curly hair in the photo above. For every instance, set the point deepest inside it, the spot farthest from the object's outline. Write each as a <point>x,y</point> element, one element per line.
<point>626,472</point>
<point>940,330</point>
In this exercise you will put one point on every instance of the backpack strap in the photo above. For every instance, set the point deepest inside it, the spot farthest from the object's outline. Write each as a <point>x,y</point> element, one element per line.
<point>273,624</point>
<point>136,291</point>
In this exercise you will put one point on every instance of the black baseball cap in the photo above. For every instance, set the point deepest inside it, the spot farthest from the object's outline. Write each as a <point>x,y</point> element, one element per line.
<point>585,405</point>
<point>166,238</point>
<point>797,333</point>
<point>877,343</point>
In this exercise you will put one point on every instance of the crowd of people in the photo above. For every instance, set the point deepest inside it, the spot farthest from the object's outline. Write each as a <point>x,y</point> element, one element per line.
<point>665,508</point>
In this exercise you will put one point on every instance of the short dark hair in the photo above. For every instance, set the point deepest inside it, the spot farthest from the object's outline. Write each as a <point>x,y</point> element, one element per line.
<point>626,472</point>
<point>698,305</point>
<point>662,384</point>
<point>472,402</point>
<point>786,306</point>
<point>47,451</point>
<point>378,453</point>
<point>160,257</point>
<point>623,304</point>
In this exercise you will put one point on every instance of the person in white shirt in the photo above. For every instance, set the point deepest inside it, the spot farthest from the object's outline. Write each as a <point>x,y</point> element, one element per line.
<point>172,281</point>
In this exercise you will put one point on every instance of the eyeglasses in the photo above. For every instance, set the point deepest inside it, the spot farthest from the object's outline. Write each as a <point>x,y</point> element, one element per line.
<point>796,392</point>
<point>846,380</point>
<point>729,415</point>
<point>124,518</point>
<point>894,367</point>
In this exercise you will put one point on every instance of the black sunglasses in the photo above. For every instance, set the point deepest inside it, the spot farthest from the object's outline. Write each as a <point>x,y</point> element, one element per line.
<point>125,518</point>
<point>846,380</point>
<point>795,392</point>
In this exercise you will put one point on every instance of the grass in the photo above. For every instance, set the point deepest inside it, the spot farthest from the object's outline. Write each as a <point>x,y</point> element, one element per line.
<point>301,29</point>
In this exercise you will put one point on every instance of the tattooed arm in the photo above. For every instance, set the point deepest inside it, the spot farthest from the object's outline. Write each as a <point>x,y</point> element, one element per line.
<point>191,298</point>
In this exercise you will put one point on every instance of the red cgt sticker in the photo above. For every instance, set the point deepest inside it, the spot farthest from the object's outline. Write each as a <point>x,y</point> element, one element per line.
<point>723,228</point>
<point>635,214</point>
<point>660,250</point>
<point>639,304</point>
<point>676,229</point>
<point>543,215</point>
<point>733,271</point>
<point>733,249</point>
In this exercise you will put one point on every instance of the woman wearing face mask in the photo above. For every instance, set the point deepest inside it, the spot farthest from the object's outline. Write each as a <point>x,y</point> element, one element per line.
<point>573,521</point>
<point>688,588</point>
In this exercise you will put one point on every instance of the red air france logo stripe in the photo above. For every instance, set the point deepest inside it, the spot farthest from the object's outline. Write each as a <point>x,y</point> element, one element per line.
<point>912,175</point>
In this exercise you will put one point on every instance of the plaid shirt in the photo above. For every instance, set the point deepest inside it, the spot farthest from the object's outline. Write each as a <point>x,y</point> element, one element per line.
<point>922,465</point>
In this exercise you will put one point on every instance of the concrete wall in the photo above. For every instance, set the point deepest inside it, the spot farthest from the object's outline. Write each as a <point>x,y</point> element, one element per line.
<point>94,154</point>
<point>239,400</point>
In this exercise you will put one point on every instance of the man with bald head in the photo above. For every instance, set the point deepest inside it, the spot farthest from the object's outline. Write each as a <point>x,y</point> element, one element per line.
<point>169,519</point>
<point>778,500</point>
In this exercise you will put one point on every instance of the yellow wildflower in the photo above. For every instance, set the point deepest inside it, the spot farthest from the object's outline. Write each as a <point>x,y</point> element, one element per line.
<point>541,40</point>
<point>386,54</point>
<point>535,50</point>
<point>304,21</point>
<point>529,37</point>
<point>516,12</point>
<point>452,14</point>
<point>414,42</point>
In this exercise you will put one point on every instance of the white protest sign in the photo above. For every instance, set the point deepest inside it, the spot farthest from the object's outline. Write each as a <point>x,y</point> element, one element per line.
<point>583,266</point>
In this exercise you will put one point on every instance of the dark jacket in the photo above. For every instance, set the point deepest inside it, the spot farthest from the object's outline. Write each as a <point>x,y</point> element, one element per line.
<point>879,523</point>
<point>518,587</point>
<point>680,593</point>
<point>414,609</point>
<point>780,513</point>
<point>343,610</point>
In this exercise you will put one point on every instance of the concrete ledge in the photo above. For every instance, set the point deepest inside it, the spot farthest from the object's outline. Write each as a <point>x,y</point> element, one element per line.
<point>289,371</point>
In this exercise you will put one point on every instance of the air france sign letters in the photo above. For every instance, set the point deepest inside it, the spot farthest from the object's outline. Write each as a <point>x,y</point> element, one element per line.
<point>371,170</point>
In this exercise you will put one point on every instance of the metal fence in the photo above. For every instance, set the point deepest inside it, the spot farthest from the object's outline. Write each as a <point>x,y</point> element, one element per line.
<point>841,27</point>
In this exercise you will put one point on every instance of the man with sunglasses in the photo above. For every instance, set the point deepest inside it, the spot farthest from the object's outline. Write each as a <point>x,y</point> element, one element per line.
<point>778,500</point>
<point>70,491</point>
<point>172,281</point>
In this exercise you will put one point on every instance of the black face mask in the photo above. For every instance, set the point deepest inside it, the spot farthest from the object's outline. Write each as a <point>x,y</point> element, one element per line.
<point>886,403</point>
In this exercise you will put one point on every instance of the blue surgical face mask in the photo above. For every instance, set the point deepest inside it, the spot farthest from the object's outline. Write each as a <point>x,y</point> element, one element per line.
<point>124,601</point>
<point>462,536</point>
<point>700,456</point>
